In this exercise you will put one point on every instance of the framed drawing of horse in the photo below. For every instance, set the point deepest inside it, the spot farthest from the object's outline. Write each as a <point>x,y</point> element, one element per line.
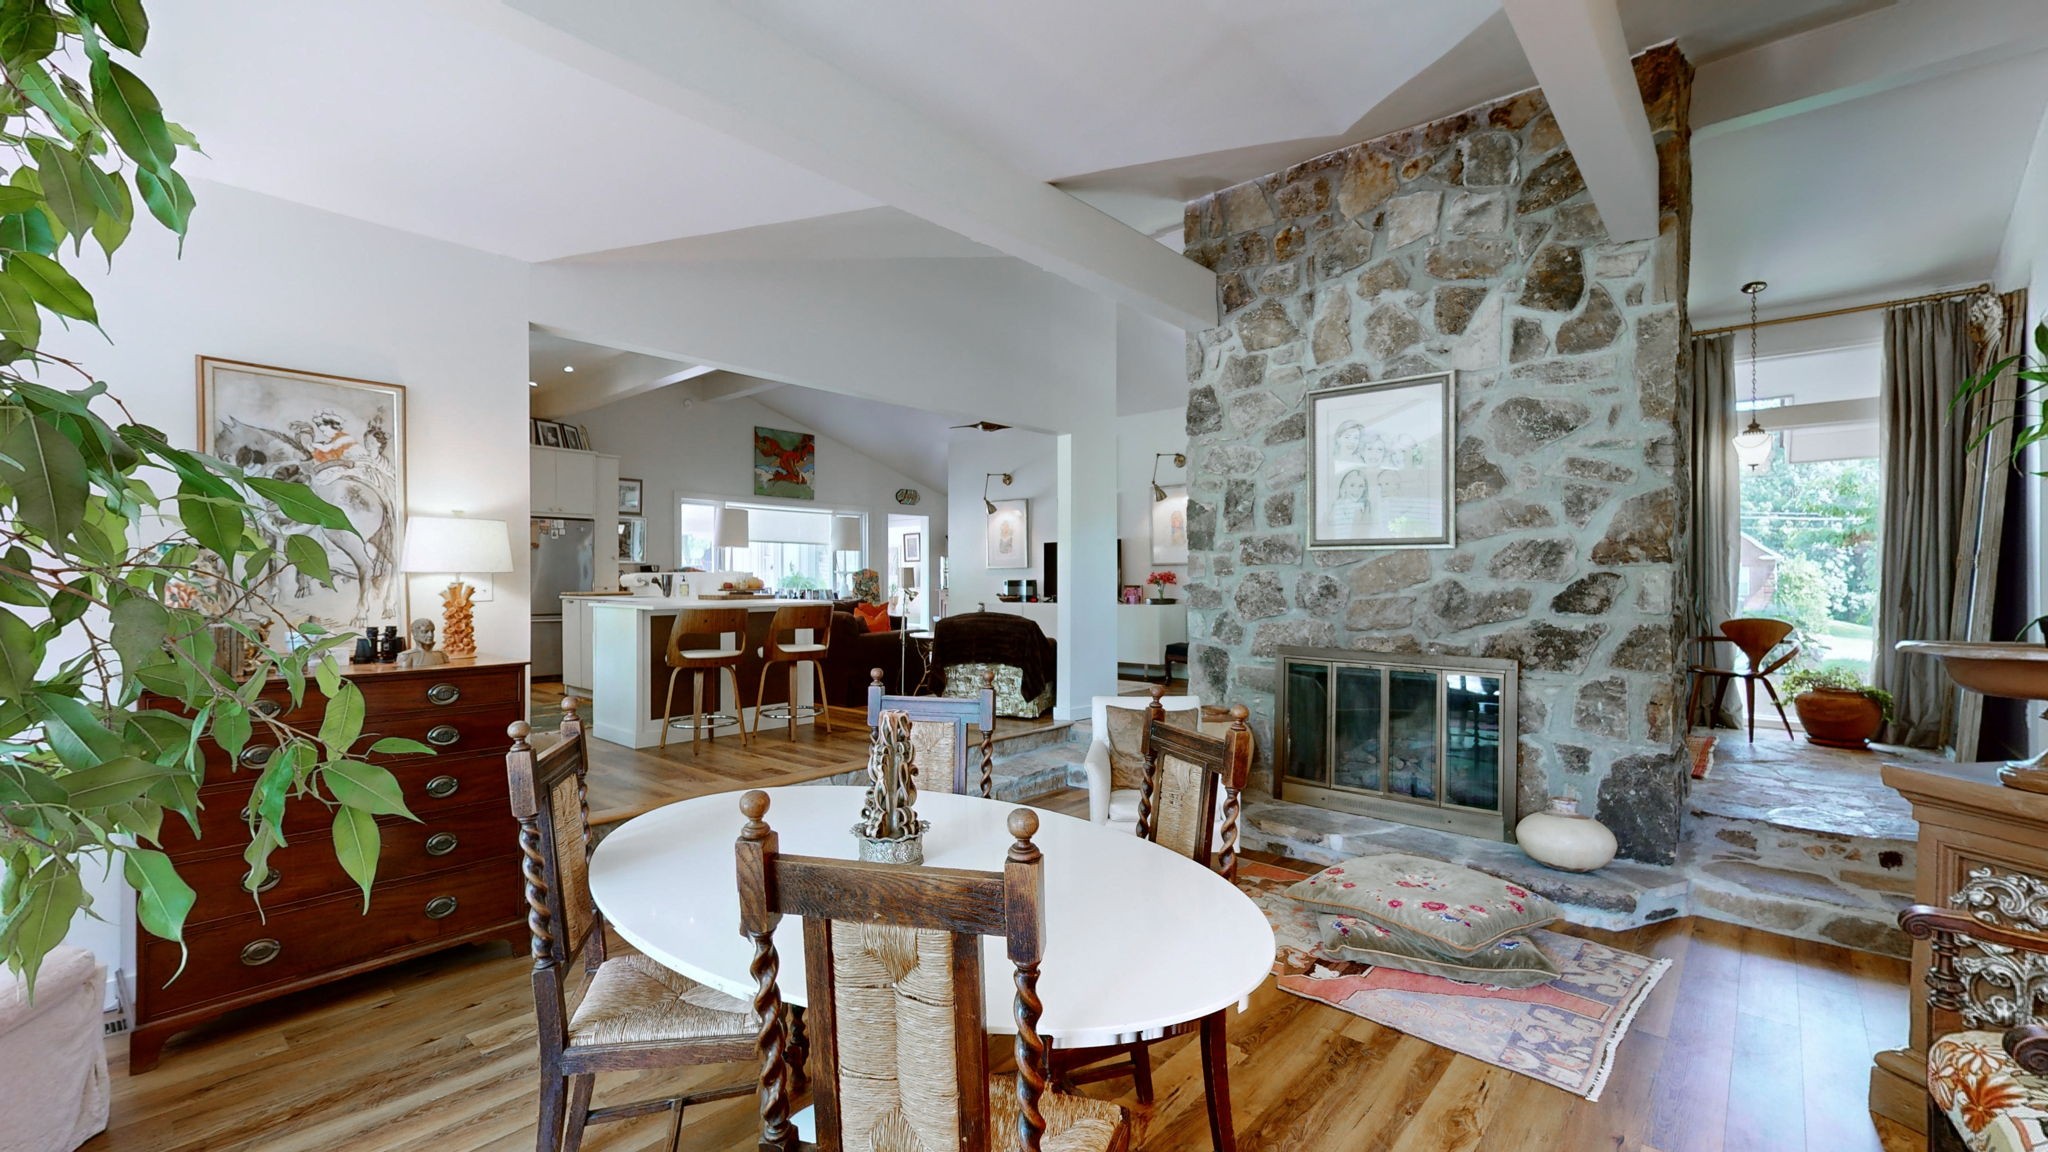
<point>345,439</point>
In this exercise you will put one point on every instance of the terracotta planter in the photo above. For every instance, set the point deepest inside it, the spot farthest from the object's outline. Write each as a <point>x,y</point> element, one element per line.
<point>1837,719</point>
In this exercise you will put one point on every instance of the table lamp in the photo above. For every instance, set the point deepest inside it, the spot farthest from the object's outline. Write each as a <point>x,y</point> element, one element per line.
<point>454,545</point>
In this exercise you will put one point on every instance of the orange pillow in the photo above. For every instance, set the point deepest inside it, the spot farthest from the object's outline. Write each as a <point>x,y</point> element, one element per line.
<point>875,616</point>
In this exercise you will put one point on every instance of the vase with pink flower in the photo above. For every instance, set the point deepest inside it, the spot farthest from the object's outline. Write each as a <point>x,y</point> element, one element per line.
<point>1159,582</point>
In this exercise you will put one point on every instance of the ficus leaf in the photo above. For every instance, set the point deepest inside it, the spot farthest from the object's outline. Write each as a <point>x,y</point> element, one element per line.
<point>21,655</point>
<point>358,784</point>
<point>134,116</point>
<point>123,21</point>
<point>162,898</point>
<point>45,470</point>
<point>297,501</point>
<point>29,229</point>
<point>14,199</point>
<point>117,781</point>
<point>401,746</point>
<point>231,728</point>
<point>48,900</point>
<point>19,320</point>
<point>343,721</point>
<point>48,284</point>
<point>357,844</point>
<point>309,557</point>
<point>140,628</point>
<point>169,200</point>
<point>217,524</point>
<point>65,187</point>
<point>75,734</point>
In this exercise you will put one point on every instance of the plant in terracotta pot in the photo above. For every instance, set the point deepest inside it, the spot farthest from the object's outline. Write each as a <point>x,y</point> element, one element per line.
<point>1837,709</point>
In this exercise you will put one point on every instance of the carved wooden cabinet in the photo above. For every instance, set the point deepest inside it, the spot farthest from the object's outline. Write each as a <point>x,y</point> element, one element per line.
<point>1983,849</point>
<point>452,878</point>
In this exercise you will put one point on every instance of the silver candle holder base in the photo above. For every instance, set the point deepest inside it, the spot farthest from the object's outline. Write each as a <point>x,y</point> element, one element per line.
<point>907,849</point>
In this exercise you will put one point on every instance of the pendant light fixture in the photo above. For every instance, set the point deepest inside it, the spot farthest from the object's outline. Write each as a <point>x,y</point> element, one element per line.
<point>1753,444</point>
<point>1180,460</point>
<point>985,501</point>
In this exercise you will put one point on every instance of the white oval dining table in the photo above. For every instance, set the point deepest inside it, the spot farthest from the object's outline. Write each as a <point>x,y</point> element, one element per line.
<point>1137,938</point>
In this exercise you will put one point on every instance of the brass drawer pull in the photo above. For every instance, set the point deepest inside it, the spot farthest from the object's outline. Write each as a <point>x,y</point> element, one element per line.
<point>442,787</point>
<point>444,694</point>
<point>257,755</point>
<point>442,735</point>
<point>441,843</point>
<point>440,907</point>
<point>269,881</point>
<point>268,709</point>
<point>257,953</point>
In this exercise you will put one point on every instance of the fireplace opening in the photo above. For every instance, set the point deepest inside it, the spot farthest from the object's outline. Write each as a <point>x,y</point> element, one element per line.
<point>1426,740</point>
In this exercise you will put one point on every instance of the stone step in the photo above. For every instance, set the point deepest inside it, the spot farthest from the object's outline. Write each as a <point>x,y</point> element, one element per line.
<point>1622,895</point>
<point>1816,885</point>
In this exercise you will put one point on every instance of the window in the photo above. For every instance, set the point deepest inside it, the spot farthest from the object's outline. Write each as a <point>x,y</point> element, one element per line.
<point>790,549</point>
<point>697,530</point>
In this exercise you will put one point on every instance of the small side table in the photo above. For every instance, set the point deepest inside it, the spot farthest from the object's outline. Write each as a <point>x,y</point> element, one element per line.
<point>1983,848</point>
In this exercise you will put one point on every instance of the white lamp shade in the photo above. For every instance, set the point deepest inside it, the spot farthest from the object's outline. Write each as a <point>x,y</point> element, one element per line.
<point>846,533</point>
<point>455,544</point>
<point>732,528</point>
<point>1753,448</point>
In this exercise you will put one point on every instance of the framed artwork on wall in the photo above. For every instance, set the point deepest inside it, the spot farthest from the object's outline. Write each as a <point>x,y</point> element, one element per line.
<point>633,539</point>
<point>550,434</point>
<point>785,464</point>
<point>1170,526</point>
<point>1009,535</point>
<point>344,439</point>
<point>913,547</point>
<point>1379,471</point>
<point>629,497</point>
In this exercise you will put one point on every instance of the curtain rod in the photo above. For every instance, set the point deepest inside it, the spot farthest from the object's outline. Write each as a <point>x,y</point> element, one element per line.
<point>1953,292</point>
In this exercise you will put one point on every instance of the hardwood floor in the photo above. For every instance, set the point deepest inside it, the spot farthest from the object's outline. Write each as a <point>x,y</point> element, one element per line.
<point>1752,1043</point>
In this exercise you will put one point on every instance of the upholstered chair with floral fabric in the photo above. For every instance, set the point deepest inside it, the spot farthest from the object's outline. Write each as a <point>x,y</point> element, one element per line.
<point>1987,1056</point>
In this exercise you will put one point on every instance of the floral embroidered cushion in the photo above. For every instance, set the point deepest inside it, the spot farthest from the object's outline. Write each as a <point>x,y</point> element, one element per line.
<point>1514,961</point>
<point>1994,1105</point>
<point>1453,907</point>
<point>1127,742</point>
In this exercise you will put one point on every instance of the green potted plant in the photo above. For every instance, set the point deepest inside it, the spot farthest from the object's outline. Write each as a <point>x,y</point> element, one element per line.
<point>1837,709</point>
<point>128,565</point>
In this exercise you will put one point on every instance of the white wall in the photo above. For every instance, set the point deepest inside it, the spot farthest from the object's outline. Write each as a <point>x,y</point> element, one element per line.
<point>1030,458</point>
<point>276,283</point>
<point>2023,262</point>
<point>1137,438</point>
<point>680,447</point>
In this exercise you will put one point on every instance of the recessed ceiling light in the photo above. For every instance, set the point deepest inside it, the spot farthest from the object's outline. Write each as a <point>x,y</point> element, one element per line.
<point>533,383</point>
<point>568,367</point>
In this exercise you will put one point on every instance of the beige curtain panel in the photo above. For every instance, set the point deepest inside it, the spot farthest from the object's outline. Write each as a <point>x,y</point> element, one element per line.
<point>1716,506</point>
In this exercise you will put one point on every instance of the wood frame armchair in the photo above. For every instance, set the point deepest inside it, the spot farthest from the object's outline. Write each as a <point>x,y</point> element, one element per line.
<point>1950,997</point>
<point>1754,637</point>
<point>892,958</point>
<point>634,1014</point>
<point>938,732</point>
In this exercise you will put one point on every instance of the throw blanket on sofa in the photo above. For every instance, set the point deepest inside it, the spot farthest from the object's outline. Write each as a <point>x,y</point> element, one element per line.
<point>994,638</point>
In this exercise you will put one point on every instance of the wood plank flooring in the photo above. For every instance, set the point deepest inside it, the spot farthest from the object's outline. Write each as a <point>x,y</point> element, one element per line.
<point>1752,1043</point>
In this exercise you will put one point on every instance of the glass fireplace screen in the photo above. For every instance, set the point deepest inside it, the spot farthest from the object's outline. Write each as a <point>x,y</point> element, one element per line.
<point>1422,740</point>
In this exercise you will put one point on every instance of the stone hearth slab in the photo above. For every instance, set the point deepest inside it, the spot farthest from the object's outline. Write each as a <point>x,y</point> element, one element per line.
<point>1621,895</point>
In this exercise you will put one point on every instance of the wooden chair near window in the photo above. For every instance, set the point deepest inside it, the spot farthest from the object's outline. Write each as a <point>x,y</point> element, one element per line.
<point>1987,1050</point>
<point>1187,774</point>
<point>697,645</point>
<point>634,1014</point>
<point>939,735</point>
<point>893,966</point>
<point>1754,637</point>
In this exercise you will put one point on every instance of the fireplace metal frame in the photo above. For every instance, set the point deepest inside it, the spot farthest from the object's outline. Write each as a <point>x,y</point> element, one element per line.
<point>1424,813</point>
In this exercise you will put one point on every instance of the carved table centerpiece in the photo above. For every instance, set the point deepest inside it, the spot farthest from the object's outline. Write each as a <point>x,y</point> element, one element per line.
<point>889,830</point>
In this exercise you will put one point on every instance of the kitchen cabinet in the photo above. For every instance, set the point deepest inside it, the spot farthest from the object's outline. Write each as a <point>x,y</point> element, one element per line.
<point>564,483</point>
<point>576,644</point>
<point>1144,630</point>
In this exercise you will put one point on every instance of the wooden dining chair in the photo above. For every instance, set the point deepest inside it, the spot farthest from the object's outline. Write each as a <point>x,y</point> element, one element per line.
<point>1754,637</point>
<point>938,735</point>
<point>1187,774</point>
<point>892,958</point>
<point>634,1014</point>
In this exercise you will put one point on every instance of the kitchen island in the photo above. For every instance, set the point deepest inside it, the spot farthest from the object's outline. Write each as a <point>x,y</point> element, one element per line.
<point>629,667</point>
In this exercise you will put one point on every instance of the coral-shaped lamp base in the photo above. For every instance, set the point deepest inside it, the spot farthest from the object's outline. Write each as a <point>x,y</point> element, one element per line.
<point>458,630</point>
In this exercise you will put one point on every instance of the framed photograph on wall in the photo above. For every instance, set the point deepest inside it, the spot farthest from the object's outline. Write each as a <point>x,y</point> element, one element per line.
<point>632,539</point>
<point>1380,464</point>
<point>629,497</point>
<point>344,439</point>
<point>1009,535</point>
<point>550,434</point>
<point>913,547</point>
<point>1170,526</point>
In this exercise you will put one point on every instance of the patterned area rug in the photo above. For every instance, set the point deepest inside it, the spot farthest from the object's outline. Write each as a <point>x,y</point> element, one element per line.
<point>1702,750</point>
<point>1564,1033</point>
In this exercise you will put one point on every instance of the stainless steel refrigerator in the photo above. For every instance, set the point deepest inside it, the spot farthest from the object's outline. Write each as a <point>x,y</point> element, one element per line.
<point>564,560</point>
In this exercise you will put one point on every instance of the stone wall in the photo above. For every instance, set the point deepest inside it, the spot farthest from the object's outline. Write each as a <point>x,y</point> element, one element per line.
<point>1469,244</point>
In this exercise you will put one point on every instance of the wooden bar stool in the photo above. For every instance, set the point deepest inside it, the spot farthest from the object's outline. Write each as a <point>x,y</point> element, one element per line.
<point>697,645</point>
<point>784,648</point>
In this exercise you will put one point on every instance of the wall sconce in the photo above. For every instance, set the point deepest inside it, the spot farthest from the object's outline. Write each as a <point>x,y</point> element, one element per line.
<point>1180,460</point>
<point>985,501</point>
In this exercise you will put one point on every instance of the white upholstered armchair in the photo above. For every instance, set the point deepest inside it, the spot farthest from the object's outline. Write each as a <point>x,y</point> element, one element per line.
<point>1113,794</point>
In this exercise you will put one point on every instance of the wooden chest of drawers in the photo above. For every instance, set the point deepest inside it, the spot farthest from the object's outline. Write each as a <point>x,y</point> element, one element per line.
<point>453,878</point>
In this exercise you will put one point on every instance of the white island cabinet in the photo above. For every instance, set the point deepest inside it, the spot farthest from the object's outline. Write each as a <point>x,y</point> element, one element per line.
<point>628,646</point>
<point>1144,630</point>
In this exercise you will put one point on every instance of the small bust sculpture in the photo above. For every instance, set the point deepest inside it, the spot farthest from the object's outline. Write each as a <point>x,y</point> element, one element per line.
<point>421,654</point>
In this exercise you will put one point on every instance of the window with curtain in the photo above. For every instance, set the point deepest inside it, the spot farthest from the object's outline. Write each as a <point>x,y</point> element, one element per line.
<point>791,549</point>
